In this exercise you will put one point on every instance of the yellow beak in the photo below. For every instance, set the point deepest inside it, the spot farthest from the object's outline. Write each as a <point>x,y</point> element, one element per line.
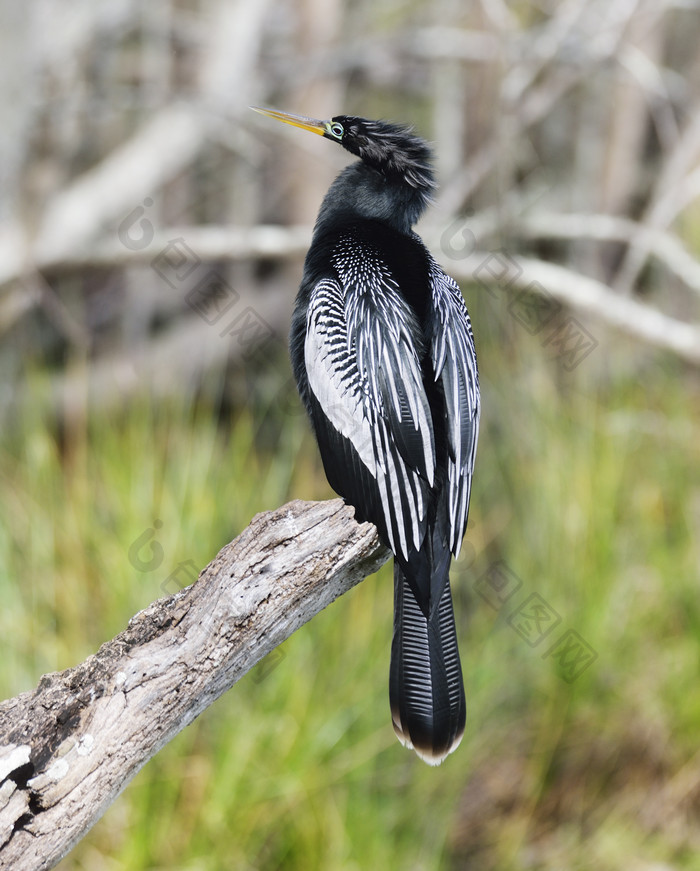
<point>302,121</point>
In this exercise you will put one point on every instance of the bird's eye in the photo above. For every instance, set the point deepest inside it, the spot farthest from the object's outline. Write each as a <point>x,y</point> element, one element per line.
<point>337,130</point>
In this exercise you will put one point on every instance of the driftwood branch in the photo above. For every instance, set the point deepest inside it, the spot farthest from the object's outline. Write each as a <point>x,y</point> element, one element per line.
<point>69,747</point>
<point>500,274</point>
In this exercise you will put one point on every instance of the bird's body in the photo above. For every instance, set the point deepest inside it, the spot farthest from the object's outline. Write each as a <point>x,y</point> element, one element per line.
<point>383,355</point>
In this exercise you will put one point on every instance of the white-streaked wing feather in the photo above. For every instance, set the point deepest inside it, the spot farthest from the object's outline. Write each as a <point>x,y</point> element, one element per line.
<point>454,362</point>
<point>333,375</point>
<point>364,371</point>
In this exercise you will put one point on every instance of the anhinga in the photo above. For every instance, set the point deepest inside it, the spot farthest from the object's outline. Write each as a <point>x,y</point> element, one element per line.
<point>383,355</point>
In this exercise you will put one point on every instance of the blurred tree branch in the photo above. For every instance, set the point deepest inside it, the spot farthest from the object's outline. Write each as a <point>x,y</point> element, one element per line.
<point>588,295</point>
<point>68,748</point>
<point>572,131</point>
<point>74,216</point>
<point>272,242</point>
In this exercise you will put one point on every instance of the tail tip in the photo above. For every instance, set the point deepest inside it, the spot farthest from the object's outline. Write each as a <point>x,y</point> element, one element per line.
<point>404,738</point>
<point>436,757</point>
<point>429,754</point>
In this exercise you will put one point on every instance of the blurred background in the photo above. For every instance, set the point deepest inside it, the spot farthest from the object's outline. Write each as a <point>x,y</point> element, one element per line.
<point>152,233</point>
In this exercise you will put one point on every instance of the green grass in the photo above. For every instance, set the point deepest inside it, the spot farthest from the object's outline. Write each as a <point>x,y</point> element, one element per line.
<point>587,489</point>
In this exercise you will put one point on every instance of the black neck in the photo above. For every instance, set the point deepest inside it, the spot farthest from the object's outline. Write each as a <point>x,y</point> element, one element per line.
<point>361,192</point>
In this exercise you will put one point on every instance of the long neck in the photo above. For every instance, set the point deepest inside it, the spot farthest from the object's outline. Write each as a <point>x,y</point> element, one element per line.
<point>363,193</point>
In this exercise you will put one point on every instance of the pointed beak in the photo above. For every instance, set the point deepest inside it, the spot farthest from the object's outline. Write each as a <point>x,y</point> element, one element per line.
<point>302,121</point>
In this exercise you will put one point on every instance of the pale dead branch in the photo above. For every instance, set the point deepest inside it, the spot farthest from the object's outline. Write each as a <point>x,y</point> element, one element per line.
<point>69,747</point>
<point>503,274</point>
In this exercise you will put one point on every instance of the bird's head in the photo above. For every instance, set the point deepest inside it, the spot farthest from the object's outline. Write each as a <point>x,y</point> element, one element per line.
<point>392,149</point>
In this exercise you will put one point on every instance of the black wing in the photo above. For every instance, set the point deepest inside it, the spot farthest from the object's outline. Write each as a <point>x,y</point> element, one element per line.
<point>369,406</point>
<point>454,363</point>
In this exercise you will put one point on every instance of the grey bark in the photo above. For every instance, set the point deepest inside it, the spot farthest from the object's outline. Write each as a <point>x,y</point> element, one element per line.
<point>69,747</point>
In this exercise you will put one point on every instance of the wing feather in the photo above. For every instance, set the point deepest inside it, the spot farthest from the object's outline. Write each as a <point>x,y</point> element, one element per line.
<point>454,362</point>
<point>365,375</point>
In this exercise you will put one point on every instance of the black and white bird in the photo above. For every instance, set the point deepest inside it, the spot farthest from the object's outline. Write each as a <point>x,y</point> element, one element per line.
<point>383,355</point>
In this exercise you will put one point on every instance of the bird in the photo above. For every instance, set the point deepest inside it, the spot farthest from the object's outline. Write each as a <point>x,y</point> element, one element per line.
<point>383,355</point>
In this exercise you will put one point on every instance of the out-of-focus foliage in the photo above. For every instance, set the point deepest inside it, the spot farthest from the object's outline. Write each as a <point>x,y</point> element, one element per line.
<point>134,182</point>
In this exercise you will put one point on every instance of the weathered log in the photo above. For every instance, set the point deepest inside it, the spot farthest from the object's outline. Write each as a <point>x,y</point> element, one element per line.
<point>68,748</point>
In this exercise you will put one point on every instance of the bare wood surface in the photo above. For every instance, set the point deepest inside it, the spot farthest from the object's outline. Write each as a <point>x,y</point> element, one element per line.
<point>69,747</point>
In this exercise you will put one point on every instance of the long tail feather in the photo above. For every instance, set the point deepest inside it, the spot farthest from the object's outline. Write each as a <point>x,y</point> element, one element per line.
<point>426,692</point>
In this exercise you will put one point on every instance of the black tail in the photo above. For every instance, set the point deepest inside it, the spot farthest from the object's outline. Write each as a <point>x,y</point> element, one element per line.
<point>426,692</point>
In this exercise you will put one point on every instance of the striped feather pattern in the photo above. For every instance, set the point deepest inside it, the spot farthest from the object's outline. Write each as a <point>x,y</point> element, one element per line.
<point>454,363</point>
<point>364,371</point>
<point>426,691</point>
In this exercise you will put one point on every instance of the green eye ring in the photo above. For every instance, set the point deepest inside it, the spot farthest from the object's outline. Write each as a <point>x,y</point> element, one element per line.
<point>335,129</point>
